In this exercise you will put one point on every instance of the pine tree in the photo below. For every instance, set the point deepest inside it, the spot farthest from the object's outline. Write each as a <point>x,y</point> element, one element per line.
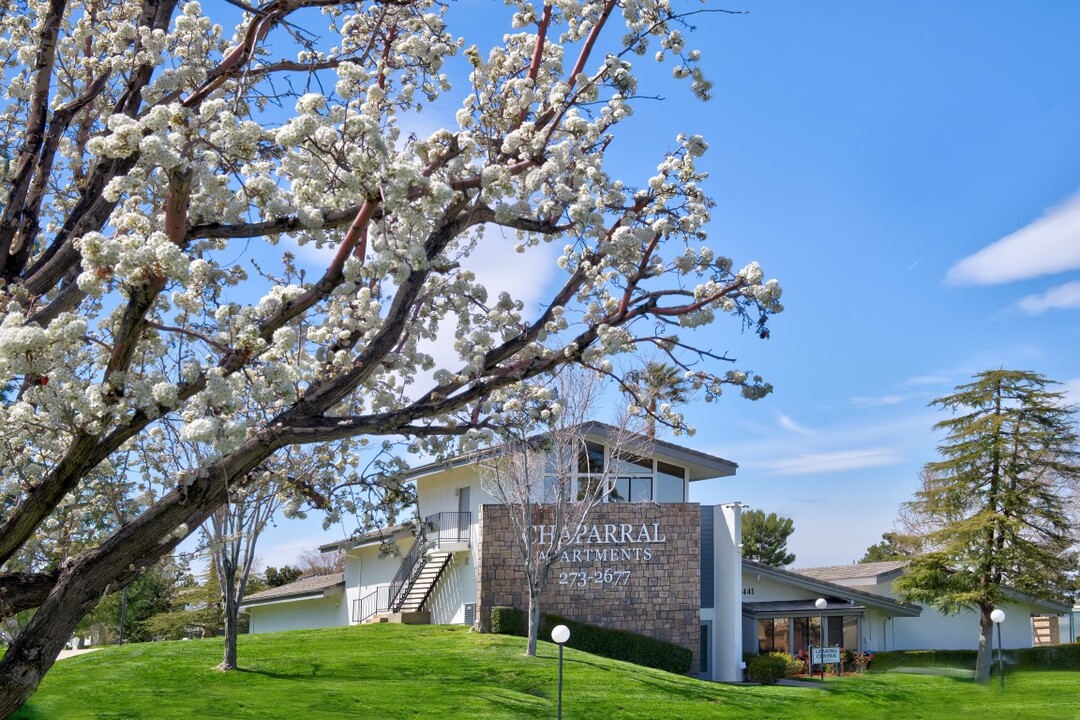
<point>995,507</point>
<point>764,538</point>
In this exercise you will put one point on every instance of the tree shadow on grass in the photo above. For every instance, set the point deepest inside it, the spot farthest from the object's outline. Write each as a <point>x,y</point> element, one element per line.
<point>964,675</point>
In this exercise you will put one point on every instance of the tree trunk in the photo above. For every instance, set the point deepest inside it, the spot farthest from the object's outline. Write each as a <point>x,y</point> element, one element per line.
<point>986,637</point>
<point>81,585</point>
<point>534,621</point>
<point>36,647</point>
<point>228,659</point>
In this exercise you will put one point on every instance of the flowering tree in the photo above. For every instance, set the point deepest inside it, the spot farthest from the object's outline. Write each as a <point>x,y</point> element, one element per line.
<point>146,152</point>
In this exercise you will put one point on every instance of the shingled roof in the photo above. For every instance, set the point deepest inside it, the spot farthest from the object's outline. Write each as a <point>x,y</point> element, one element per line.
<point>832,573</point>
<point>316,585</point>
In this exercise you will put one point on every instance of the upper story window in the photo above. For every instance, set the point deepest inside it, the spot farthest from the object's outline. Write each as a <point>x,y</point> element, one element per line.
<point>630,478</point>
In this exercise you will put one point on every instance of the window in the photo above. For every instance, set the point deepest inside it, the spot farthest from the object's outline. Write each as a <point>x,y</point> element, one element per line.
<point>765,636</point>
<point>773,635</point>
<point>591,458</point>
<point>631,489</point>
<point>806,632</point>
<point>703,648</point>
<point>554,487</point>
<point>670,483</point>
<point>851,632</point>
<point>834,631</point>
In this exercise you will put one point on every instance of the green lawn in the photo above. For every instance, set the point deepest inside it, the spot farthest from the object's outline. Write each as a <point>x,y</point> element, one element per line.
<point>399,671</point>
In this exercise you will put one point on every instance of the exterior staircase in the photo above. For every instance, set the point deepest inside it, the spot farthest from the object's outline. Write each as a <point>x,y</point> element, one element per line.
<point>404,598</point>
<point>431,567</point>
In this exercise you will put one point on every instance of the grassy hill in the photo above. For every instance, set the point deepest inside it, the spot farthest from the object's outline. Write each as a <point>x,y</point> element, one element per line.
<point>399,671</point>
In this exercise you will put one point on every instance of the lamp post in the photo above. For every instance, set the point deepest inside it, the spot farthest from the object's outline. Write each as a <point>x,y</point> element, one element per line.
<point>560,634</point>
<point>998,616</point>
<point>821,604</point>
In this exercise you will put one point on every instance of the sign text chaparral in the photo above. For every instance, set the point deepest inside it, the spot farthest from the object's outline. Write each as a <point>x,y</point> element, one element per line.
<point>603,543</point>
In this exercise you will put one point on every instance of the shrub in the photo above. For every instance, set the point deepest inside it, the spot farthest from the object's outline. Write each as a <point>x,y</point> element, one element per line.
<point>1049,657</point>
<point>507,620</point>
<point>614,644</point>
<point>861,661</point>
<point>768,668</point>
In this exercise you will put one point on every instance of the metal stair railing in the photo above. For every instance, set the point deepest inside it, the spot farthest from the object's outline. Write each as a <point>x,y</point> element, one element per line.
<point>376,601</point>
<point>411,566</point>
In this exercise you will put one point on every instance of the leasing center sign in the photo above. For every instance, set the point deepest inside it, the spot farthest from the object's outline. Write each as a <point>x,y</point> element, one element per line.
<point>631,566</point>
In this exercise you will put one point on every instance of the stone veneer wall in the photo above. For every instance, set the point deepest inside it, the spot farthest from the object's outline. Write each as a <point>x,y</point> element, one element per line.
<point>661,597</point>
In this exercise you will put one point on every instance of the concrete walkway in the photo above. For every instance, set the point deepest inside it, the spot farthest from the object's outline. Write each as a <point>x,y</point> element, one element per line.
<point>72,653</point>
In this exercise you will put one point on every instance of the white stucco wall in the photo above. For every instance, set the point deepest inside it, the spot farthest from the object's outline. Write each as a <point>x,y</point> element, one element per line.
<point>758,588</point>
<point>933,630</point>
<point>727,633</point>
<point>456,587</point>
<point>299,614</point>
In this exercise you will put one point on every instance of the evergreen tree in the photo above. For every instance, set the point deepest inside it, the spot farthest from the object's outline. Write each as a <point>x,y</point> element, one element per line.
<point>764,538</point>
<point>276,577</point>
<point>994,509</point>
<point>891,547</point>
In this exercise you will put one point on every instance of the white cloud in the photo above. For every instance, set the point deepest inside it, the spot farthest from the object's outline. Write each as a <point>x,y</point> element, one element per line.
<point>788,424</point>
<point>884,400</point>
<point>1062,297</point>
<point>1046,246</point>
<point>831,462</point>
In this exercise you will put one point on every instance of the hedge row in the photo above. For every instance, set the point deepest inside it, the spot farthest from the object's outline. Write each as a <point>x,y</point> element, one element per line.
<point>614,644</point>
<point>1049,657</point>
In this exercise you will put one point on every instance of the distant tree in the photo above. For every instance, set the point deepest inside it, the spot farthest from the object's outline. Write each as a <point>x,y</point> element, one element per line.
<point>655,388</point>
<point>891,547</point>
<point>313,562</point>
<point>995,507</point>
<point>195,611</point>
<point>764,538</point>
<point>232,533</point>
<point>276,577</point>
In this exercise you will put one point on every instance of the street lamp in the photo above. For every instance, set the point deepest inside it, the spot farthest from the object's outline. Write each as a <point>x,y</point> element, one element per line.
<point>560,634</point>
<point>998,616</point>
<point>821,604</point>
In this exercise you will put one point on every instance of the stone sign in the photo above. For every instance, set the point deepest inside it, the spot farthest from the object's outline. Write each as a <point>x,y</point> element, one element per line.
<point>631,567</point>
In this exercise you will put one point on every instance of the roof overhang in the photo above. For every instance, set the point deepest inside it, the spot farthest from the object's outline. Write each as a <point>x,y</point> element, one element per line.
<point>1043,606</point>
<point>699,465</point>
<point>378,537</point>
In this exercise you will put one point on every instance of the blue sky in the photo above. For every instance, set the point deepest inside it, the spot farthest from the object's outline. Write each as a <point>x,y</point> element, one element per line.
<point>908,171</point>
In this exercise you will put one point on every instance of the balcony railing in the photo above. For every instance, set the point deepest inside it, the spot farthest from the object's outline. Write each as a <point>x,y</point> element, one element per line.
<point>449,527</point>
<point>375,602</point>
